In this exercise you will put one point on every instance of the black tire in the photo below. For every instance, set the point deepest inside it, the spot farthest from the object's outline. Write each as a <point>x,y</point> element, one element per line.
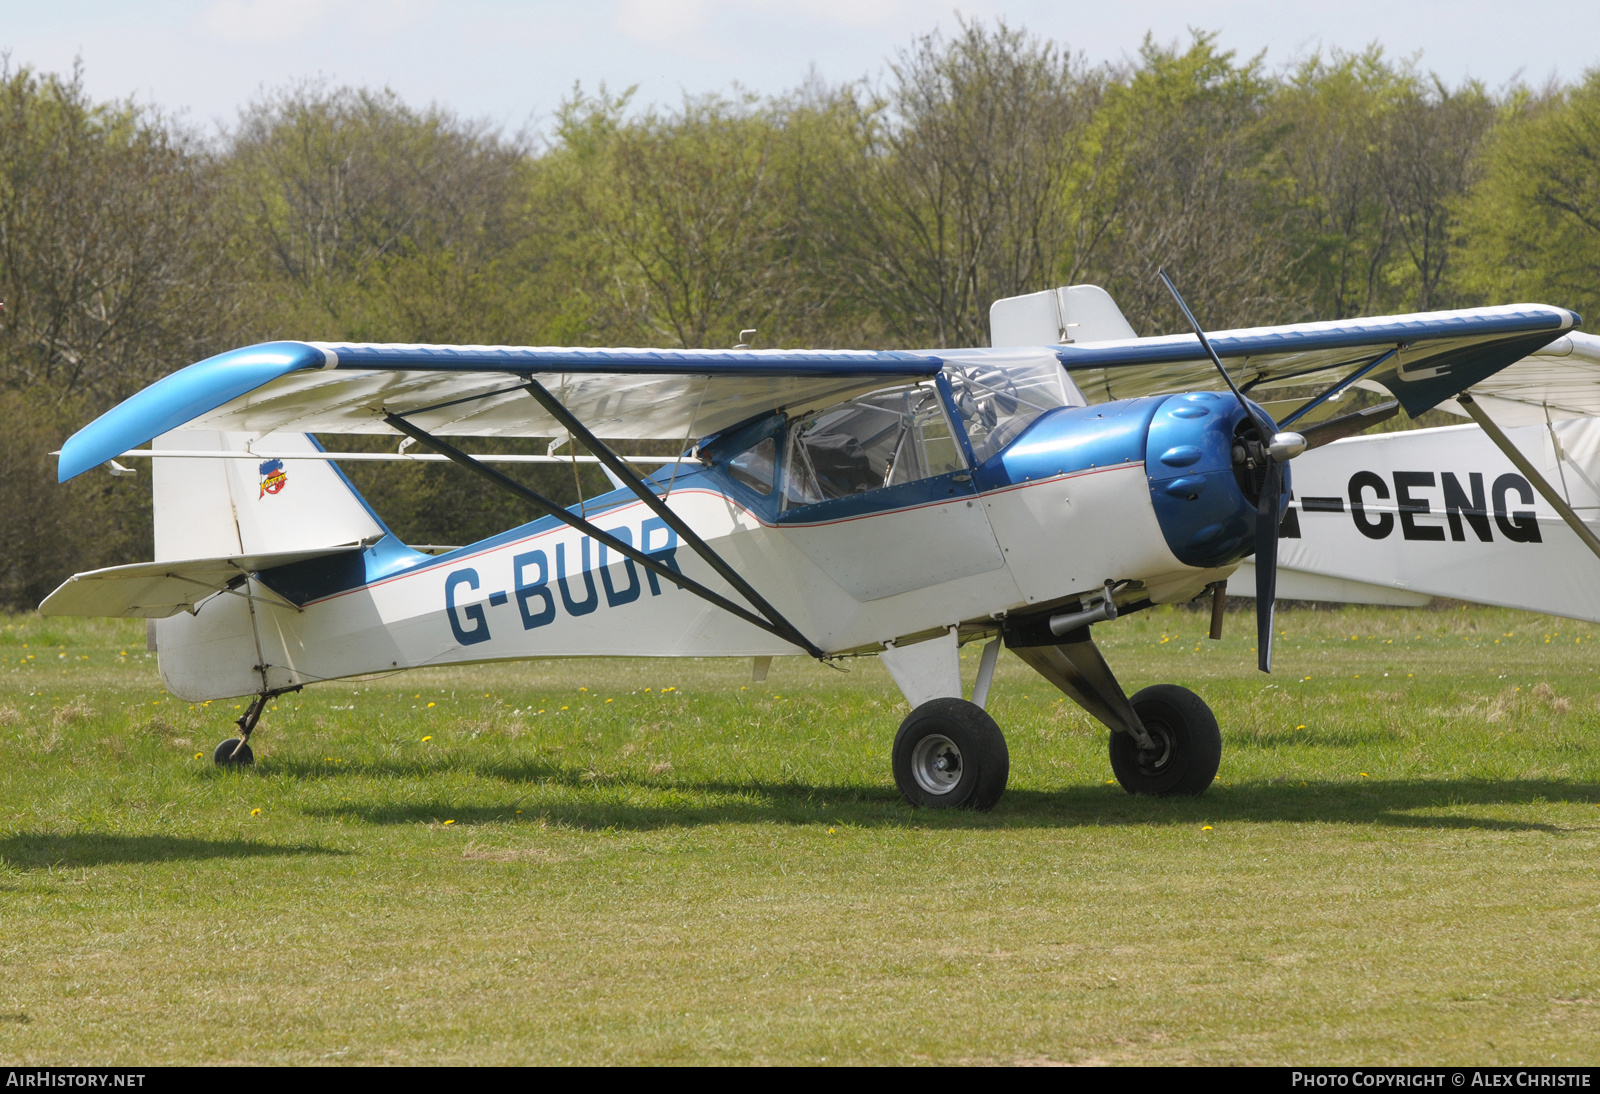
<point>949,754</point>
<point>233,753</point>
<point>1189,744</point>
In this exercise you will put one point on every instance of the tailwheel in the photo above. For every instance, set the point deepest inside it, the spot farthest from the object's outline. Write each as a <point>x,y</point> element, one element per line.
<point>949,754</point>
<point>1187,745</point>
<point>234,752</point>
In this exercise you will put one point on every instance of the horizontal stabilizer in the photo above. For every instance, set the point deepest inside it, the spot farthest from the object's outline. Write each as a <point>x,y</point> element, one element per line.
<point>156,590</point>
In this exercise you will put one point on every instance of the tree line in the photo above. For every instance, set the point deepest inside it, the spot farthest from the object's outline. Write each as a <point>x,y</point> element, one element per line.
<point>882,213</point>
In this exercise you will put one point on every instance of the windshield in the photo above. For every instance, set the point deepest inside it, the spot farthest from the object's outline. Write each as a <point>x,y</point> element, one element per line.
<point>999,394</point>
<point>882,439</point>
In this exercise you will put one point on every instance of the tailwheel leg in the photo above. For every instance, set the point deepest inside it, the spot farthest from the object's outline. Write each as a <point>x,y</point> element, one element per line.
<point>236,751</point>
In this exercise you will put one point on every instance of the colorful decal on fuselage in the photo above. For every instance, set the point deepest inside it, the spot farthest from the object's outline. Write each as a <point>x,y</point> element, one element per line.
<point>273,478</point>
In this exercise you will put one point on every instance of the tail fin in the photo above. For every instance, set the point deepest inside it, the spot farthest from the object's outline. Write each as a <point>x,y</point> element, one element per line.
<point>221,508</point>
<point>209,508</point>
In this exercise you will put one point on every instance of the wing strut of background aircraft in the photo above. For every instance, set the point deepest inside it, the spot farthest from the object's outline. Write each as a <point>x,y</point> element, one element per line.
<point>1522,463</point>
<point>857,503</point>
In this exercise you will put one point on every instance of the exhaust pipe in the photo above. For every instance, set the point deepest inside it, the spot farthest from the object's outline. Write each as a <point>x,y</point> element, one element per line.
<point>1071,621</point>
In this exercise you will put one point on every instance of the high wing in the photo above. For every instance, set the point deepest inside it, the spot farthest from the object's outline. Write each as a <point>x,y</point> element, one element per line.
<point>482,391</point>
<point>1438,355</point>
<point>479,391</point>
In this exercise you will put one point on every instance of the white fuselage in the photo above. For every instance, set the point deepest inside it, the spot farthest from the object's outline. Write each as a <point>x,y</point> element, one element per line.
<point>848,585</point>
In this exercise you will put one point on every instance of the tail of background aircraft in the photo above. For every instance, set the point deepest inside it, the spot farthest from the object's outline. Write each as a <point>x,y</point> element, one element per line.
<point>220,508</point>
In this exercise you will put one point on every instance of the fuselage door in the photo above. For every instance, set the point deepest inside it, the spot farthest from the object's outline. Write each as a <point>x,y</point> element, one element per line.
<point>877,492</point>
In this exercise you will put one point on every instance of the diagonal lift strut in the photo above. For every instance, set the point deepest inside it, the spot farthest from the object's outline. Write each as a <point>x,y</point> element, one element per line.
<point>774,623</point>
<point>632,481</point>
<point>1531,473</point>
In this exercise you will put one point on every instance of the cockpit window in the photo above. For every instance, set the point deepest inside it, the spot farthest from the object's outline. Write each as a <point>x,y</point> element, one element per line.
<point>999,398</point>
<point>882,439</point>
<point>754,467</point>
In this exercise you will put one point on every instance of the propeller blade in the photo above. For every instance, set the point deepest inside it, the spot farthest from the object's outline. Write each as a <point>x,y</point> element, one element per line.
<point>1348,425</point>
<point>1269,513</point>
<point>1205,344</point>
<point>1277,447</point>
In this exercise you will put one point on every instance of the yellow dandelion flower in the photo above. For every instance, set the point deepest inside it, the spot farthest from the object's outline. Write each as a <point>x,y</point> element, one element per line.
<point>430,704</point>
<point>583,689</point>
<point>449,822</point>
<point>255,812</point>
<point>429,737</point>
<point>1206,828</point>
<point>198,755</point>
<point>1364,775</point>
<point>563,708</point>
<point>1299,727</point>
<point>608,700</point>
<point>830,831</point>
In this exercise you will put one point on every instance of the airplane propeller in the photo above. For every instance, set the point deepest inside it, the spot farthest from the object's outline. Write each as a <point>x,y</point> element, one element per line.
<point>1266,458</point>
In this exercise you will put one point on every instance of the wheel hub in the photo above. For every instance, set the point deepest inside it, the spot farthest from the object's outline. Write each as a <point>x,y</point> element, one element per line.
<point>1152,760</point>
<point>936,764</point>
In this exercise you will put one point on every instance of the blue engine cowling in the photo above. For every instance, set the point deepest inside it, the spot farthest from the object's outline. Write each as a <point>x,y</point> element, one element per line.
<point>1205,505</point>
<point>1206,509</point>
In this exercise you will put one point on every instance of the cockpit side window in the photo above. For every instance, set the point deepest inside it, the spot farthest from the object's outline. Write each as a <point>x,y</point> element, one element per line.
<point>998,400</point>
<point>877,440</point>
<point>755,467</point>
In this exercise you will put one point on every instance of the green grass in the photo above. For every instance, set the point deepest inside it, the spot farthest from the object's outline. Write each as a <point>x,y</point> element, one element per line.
<point>1400,862</point>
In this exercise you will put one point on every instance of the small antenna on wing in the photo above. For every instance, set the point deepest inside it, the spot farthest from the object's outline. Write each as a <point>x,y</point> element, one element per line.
<point>745,337</point>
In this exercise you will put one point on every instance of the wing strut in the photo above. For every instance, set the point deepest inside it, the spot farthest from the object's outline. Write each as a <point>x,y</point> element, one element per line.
<point>631,480</point>
<point>1531,473</point>
<point>777,625</point>
<point>1340,386</point>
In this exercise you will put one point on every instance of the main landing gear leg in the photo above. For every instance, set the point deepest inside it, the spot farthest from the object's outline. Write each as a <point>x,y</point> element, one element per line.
<point>1163,741</point>
<point>235,751</point>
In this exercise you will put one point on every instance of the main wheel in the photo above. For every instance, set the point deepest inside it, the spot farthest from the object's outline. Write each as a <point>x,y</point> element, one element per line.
<point>1188,744</point>
<point>949,754</point>
<point>228,755</point>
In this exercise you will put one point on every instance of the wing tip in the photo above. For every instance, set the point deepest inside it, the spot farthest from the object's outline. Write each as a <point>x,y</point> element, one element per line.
<point>182,396</point>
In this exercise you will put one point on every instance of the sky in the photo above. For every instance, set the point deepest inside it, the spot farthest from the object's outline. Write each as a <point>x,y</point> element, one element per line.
<point>513,62</point>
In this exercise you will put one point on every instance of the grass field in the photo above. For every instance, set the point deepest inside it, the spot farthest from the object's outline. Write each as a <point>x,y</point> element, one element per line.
<point>658,862</point>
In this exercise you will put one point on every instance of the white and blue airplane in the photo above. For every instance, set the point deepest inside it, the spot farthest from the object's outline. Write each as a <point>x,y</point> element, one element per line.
<point>825,503</point>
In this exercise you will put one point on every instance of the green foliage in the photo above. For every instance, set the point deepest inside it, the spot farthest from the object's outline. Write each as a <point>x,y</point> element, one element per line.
<point>884,214</point>
<point>1532,228</point>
